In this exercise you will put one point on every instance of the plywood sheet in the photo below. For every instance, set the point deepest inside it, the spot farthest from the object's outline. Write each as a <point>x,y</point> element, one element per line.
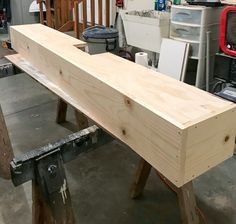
<point>173,58</point>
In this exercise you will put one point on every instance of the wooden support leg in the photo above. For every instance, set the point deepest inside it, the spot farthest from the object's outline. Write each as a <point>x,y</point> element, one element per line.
<point>41,213</point>
<point>6,152</point>
<point>50,193</point>
<point>61,111</point>
<point>187,204</point>
<point>141,177</point>
<point>185,194</point>
<point>186,199</point>
<point>81,120</point>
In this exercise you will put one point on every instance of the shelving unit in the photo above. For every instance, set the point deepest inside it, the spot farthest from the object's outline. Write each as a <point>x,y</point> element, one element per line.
<point>191,24</point>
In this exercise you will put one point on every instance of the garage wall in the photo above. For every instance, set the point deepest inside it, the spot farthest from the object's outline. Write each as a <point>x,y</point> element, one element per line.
<point>112,11</point>
<point>20,12</point>
<point>21,15</point>
<point>139,4</point>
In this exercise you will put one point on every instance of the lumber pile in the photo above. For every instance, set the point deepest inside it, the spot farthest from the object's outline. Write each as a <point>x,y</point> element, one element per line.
<point>180,130</point>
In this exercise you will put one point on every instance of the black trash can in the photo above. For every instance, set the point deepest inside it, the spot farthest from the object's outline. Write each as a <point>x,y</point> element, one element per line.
<point>101,39</point>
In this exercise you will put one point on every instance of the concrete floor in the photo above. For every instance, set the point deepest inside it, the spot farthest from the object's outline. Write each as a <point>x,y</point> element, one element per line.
<point>99,181</point>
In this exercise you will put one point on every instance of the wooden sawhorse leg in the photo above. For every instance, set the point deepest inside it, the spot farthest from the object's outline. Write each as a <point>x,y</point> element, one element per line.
<point>6,152</point>
<point>81,119</point>
<point>43,213</point>
<point>185,194</point>
<point>61,111</point>
<point>141,177</point>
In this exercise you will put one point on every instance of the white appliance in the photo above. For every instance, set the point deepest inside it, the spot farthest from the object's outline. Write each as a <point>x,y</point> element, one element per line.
<point>145,29</point>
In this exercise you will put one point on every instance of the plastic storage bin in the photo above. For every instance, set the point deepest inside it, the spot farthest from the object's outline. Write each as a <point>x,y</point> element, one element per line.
<point>195,15</point>
<point>190,23</point>
<point>192,33</point>
<point>185,32</point>
<point>186,16</point>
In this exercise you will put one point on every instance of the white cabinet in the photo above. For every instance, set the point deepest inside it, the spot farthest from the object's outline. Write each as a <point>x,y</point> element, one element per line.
<point>191,24</point>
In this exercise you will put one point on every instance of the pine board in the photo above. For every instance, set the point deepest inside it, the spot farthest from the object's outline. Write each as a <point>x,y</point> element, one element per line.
<point>180,130</point>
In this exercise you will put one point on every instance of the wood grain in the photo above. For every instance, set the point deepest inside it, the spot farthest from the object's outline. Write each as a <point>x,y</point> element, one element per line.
<point>165,121</point>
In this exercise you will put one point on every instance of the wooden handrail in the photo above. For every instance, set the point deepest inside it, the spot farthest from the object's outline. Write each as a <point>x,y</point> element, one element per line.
<point>76,22</point>
<point>40,2</point>
<point>61,17</point>
<point>85,14</point>
<point>92,3</point>
<point>100,6</point>
<point>107,12</point>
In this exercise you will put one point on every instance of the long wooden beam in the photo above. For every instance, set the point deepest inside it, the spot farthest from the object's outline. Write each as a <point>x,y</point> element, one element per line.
<point>180,130</point>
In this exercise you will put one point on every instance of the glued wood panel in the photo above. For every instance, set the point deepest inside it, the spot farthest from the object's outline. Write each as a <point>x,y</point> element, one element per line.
<point>161,119</point>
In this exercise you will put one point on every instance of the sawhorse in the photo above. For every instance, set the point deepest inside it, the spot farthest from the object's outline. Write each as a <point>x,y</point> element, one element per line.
<point>44,166</point>
<point>190,213</point>
<point>41,211</point>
